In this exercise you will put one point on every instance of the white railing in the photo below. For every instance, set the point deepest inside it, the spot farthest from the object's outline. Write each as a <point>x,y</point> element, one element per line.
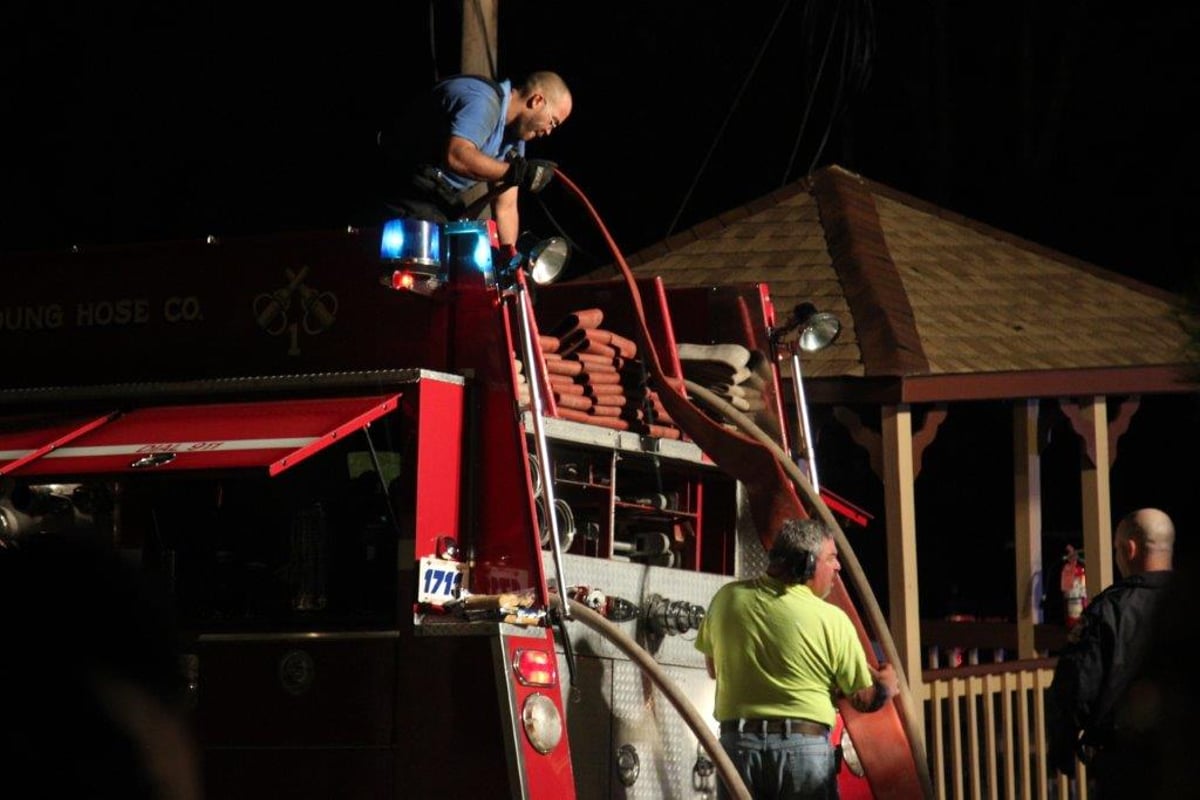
<point>985,733</point>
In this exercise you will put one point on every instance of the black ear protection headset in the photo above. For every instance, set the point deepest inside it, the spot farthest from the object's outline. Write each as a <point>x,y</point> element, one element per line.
<point>804,566</point>
<point>801,567</point>
<point>792,563</point>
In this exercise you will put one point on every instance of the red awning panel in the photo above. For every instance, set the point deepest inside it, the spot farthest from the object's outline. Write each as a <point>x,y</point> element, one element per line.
<point>26,439</point>
<point>274,435</point>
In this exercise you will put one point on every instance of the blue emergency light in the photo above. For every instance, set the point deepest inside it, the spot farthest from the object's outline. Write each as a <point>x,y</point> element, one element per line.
<point>421,255</point>
<point>412,242</point>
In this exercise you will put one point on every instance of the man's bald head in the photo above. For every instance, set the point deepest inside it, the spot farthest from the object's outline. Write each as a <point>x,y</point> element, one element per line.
<point>539,104</point>
<point>1144,541</point>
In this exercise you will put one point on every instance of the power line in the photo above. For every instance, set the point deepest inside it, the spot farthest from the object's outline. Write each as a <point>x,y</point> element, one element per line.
<point>812,94</point>
<point>725,123</point>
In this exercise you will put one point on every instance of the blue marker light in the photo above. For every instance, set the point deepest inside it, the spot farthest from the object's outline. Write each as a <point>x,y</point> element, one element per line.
<point>483,254</point>
<point>391,244</point>
<point>411,241</point>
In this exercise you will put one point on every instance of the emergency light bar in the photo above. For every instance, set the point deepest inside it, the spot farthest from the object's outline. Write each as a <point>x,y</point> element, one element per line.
<point>422,255</point>
<point>413,248</point>
<point>412,242</point>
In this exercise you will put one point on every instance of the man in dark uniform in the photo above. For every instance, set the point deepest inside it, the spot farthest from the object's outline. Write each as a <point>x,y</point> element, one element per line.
<point>1105,651</point>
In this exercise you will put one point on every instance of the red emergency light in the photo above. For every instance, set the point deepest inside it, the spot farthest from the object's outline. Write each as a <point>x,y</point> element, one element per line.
<point>535,668</point>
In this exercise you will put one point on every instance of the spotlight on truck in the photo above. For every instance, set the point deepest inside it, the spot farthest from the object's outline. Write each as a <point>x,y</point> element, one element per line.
<point>547,259</point>
<point>543,260</point>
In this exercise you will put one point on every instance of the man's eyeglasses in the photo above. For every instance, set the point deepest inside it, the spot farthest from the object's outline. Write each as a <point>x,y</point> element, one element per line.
<point>554,121</point>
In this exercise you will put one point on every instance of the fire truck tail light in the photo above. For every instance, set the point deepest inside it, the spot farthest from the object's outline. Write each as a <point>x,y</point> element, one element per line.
<point>403,280</point>
<point>535,668</point>
<point>542,722</point>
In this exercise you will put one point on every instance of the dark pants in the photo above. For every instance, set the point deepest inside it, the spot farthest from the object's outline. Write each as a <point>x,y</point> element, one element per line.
<point>1108,777</point>
<point>775,766</point>
<point>417,208</point>
<point>418,195</point>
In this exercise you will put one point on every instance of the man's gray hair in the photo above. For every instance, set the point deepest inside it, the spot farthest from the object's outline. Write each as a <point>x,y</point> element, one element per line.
<point>797,538</point>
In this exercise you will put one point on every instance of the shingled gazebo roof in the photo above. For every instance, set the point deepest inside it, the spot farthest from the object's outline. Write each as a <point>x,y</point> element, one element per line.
<point>934,306</point>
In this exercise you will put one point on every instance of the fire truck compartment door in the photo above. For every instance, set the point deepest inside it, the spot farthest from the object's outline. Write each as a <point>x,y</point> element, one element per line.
<point>274,435</point>
<point>26,439</point>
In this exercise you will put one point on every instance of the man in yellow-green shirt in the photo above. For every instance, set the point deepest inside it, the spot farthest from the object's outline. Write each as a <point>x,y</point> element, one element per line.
<point>780,654</point>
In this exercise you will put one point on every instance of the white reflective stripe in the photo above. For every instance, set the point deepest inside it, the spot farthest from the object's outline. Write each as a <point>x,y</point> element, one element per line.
<point>14,454</point>
<point>220,445</point>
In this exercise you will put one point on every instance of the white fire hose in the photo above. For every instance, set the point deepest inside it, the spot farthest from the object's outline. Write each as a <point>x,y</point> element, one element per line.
<point>728,773</point>
<point>916,739</point>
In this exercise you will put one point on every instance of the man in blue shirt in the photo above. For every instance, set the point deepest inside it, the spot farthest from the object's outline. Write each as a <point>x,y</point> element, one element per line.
<point>466,140</point>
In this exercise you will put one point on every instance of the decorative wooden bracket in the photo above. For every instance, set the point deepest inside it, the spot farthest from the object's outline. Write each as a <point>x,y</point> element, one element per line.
<point>872,441</point>
<point>1117,427</point>
<point>924,437</point>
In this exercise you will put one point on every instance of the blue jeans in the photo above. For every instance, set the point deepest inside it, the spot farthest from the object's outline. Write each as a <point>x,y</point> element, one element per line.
<point>778,767</point>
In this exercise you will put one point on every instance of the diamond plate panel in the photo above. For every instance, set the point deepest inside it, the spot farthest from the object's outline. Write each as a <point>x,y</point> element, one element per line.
<point>612,703</point>
<point>666,746</point>
<point>750,558</point>
<point>637,583</point>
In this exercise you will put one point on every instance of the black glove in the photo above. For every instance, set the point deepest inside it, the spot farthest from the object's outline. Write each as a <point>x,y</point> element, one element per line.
<point>531,174</point>
<point>1061,756</point>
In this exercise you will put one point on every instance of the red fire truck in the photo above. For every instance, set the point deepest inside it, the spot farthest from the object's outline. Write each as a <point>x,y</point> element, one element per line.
<point>403,567</point>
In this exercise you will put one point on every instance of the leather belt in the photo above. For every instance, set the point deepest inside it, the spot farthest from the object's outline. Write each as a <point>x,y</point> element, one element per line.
<point>784,726</point>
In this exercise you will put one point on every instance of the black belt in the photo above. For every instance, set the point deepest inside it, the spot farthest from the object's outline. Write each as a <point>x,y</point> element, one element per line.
<point>784,726</point>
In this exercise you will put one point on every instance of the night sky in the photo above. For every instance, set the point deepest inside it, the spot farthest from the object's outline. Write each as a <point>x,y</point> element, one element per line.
<point>1069,126</point>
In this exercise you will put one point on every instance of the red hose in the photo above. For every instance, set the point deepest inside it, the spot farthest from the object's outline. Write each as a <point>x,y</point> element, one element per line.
<point>773,498</point>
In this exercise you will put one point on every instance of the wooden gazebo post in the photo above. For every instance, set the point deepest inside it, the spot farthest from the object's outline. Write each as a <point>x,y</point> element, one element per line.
<point>904,608</point>
<point>1027,533</point>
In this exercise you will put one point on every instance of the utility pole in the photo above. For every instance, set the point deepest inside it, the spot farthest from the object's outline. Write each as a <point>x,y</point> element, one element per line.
<point>480,19</point>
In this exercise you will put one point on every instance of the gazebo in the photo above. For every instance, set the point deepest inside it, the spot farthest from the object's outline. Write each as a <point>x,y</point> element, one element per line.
<point>939,313</point>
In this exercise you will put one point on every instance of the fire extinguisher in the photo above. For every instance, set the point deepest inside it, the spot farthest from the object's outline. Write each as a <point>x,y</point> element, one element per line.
<point>1074,586</point>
